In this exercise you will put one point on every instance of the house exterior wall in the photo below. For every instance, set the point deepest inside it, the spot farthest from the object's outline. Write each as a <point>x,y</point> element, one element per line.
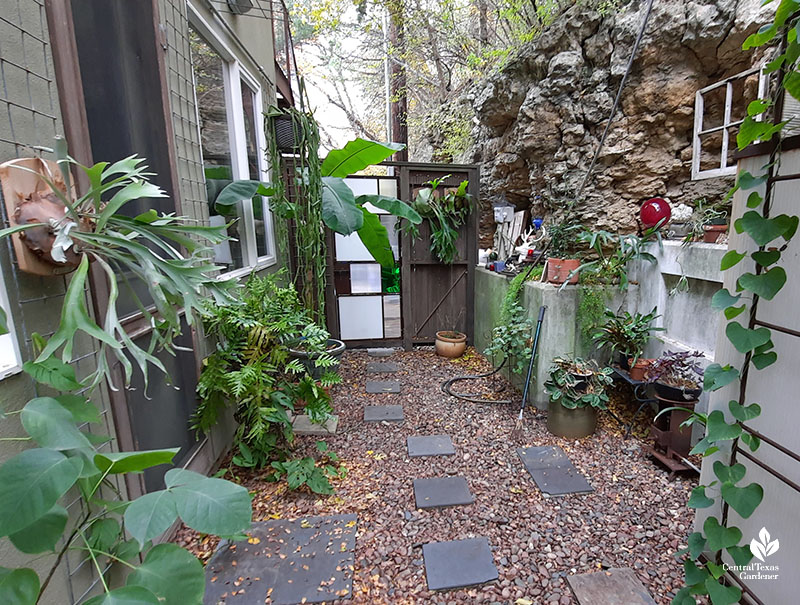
<point>775,390</point>
<point>30,118</point>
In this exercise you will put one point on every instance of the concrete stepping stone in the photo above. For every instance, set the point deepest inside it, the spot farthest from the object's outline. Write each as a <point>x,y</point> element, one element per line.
<point>382,367</point>
<point>430,445</point>
<point>379,413</point>
<point>302,425</point>
<point>609,586</point>
<point>439,492</point>
<point>383,386</point>
<point>552,471</point>
<point>458,563</point>
<point>380,352</point>
<point>307,560</point>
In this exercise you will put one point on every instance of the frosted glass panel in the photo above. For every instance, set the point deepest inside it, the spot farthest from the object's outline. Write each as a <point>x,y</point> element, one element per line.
<point>349,247</point>
<point>365,278</point>
<point>387,187</point>
<point>362,186</point>
<point>360,317</point>
<point>389,221</point>
<point>391,316</point>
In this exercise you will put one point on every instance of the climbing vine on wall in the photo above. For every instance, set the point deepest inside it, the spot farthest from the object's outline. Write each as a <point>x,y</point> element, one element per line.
<point>771,235</point>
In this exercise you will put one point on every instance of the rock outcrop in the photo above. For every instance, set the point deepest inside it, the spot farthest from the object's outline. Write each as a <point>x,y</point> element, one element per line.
<point>540,119</point>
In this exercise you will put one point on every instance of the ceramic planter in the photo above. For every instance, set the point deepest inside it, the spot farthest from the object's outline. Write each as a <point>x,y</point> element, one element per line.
<point>712,233</point>
<point>335,348</point>
<point>450,344</point>
<point>638,369</point>
<point>571,423</point>
<point>676,394</point>
<point>558,270</point>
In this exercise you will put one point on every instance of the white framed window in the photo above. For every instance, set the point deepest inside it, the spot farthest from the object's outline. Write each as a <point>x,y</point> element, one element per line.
<point>10,359</point>
<point>229,103</point>
<point>719,110</point>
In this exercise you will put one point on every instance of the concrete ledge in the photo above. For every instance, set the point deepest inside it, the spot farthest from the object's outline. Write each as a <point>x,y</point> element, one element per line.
<point>695,261</point>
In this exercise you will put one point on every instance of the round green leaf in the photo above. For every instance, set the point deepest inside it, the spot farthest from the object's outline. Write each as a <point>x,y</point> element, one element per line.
<point>731,258</point>
<point>339,209</point>
<point>744,500</point>
<point>150,515</point>
<point>698,499</point>
<point>717,376</point>
<point>744,413</point>
<point>744,339</point>
<point>171,573</point>
<point>764,230</point>
<point>719,537</point>
<point>718,429</point>
<point>30,485</point>
<point>43,534</point>
<point>213,506</point>
<point>51,425</point>
<point>723,299</point>
<point>18,586</point>
<point>722,595</point>
<point>731,474</point>
<point>766,285</point>
<point>765,258</point>
<point>127,595</point>
<point>693,574</point>
<point>242,190</point>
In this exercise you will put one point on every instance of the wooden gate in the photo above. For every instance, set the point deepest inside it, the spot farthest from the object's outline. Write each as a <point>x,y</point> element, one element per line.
<point>432,296</point>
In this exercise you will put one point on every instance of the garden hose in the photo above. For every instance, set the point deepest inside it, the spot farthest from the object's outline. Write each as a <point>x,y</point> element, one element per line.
<point>447,384</point>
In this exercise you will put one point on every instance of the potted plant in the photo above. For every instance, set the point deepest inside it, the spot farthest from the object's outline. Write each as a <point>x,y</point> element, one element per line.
<point>679,226</point>
<point>708,222</point>
<point>561,267</point>
<point>309,351</point>
<point>577,389</point>
<point>627,335</point>
<point>450,343</point>
<point>677,376</point>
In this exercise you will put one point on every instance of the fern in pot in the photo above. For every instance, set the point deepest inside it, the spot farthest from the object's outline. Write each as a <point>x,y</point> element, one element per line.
<point>577,389</point>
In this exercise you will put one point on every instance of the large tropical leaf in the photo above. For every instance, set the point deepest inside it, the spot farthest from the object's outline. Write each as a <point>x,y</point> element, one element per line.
<point>127,595</point>
<point>44,534</point>
<point>30,485</point>
<point>171,573</point>
<point>357,155</point>
<point>339,209</point>
<point>150,515</point>
<point>133,462</point>
<point>51,425</point>
<point>54,372</point>
<point>392,205</point>
<point>242,190</point>
<point>18,586</point>
<point>376,239</point>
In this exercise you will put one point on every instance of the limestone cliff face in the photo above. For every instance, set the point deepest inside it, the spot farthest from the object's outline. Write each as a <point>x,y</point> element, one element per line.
<point>539,120</point>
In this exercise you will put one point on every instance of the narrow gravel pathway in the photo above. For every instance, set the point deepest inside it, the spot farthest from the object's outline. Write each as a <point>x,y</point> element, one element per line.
<point>635,518</point>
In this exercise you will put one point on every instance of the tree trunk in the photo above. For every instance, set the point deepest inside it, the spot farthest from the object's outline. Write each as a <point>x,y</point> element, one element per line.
<point>398,88</point>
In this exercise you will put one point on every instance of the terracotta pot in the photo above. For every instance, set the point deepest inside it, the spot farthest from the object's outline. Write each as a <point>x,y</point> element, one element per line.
<point>711,233</point>
<point>450,344</point>
<point>639,368</point>
<point>571,423</point>
<point>558,270</point>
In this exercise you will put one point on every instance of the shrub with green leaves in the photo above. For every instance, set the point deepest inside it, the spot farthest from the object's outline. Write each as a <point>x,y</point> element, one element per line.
<point>253,371</point>
<point>575,383</point>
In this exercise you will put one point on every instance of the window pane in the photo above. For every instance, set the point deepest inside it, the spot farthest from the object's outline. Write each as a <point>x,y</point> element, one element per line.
<point>360,317</point>
<point>209,82</point>
<point>251,122</point>
<point>365,278</point>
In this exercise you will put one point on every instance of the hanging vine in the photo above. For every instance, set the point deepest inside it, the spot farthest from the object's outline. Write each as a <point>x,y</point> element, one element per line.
<point>302,206</point>
<point>771,235</point>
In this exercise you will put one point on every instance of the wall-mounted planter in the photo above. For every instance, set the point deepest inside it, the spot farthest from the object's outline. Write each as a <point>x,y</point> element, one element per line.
<point>29,199</point>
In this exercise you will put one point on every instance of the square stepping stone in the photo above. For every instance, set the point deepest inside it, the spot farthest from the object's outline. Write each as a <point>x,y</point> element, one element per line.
<point>383,386</point>
<point>289,561</point>
<point>458,563</point>
<point>552,471</point>
<point>380,352</point>
<point>379,413</point>
<point>441,491</point>
<point>609,586</point>
<point>302,425</point>
<point>379,367</point>
<point>430,445</point>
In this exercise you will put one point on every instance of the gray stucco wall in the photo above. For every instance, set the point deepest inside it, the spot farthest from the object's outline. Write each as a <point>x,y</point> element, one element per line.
<point>689,321</point>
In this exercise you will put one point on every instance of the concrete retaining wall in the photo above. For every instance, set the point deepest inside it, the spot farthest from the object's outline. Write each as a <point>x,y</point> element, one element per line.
<point>690,322</point>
